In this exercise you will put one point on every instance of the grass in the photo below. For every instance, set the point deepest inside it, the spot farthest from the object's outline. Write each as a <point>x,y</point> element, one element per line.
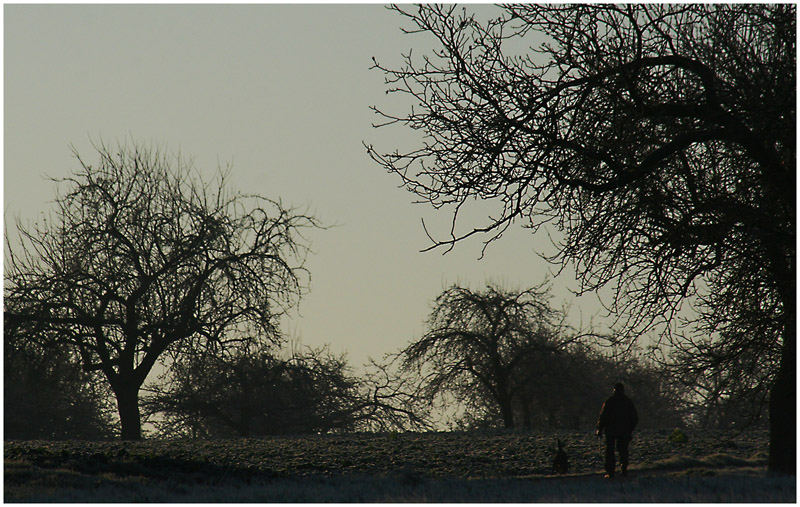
<point>434,467</point>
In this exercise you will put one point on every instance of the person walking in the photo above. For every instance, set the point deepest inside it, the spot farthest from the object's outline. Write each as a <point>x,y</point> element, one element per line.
<point>617,420</point>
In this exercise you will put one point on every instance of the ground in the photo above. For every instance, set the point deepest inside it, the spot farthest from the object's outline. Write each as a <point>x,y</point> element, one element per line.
<point>393,467</point>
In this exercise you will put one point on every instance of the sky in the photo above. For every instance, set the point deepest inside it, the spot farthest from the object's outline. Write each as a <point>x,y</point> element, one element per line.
<point>282,94</point>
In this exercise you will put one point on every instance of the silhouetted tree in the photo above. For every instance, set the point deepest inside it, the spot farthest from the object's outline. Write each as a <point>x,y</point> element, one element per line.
<point>388,400</point>
<point>480,344</point>
<point>47,396</point>
<point>143,261</point>
<point>661,402</point>
<point>565,389</point>
<point>658,140</point>
<point>725,391</point>
<point>253,392</point>
<point>250,393</point>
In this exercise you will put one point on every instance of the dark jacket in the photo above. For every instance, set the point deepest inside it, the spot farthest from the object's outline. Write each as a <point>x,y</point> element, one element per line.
<point>618,416</point>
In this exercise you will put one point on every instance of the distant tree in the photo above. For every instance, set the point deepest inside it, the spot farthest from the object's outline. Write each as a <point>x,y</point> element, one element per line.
<point>248,393</point>
<point>254,393</point>
<point>47,396</point>
<point>661,402</point>
<point>480,344</point>
<point>729,392</point>
<point>143,261</point>
<point>658,140</point>
<point>565,389</point>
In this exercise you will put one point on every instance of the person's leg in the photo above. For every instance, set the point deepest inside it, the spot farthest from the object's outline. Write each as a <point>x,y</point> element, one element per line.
<point>609,461</point>
<point>622,447</point>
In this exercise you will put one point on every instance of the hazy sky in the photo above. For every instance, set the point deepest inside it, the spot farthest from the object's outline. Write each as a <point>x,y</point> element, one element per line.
<point>282,92</point>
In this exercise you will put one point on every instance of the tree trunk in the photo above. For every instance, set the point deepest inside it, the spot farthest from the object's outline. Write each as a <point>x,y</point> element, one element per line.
<point>128,405</point>
<point>244,425</point>
<point>782,403</point>
<point>527,422</point>
<point>507,413</point>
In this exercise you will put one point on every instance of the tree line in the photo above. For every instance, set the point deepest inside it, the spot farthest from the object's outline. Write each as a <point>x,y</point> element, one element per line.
<point>491,358</point>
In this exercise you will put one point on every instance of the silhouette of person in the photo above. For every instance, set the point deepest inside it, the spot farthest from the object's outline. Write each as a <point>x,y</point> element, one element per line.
<point>617,420</point>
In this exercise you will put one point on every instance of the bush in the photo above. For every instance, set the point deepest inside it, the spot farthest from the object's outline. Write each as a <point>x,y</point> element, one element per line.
<point>678,437</point>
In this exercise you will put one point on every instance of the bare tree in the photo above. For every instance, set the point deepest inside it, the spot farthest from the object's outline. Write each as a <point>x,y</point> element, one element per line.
<point>557,390</point>
<point>143,261</point>
<point>388,400</point>
<point>256,392</point>
<point>726,390</point>
<point>478,343</point>
<point>658,140</point>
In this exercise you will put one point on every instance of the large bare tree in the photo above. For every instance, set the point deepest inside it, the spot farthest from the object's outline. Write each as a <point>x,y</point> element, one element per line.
<point>142,261</point>
<point>656,141</point>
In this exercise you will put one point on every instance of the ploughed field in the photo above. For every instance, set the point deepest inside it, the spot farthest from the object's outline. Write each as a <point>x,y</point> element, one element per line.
<point>398,467</point>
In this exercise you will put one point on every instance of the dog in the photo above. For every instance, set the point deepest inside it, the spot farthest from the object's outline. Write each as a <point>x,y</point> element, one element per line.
<point>560,461</point>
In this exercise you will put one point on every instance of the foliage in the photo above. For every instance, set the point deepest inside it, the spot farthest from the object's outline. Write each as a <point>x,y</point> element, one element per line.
<point>677,436</point>
<point>580,379</point>
<point>255,393</point>
<point>46,396</point>
<point>569,387</point>
<point>656,143</point>
<point>143,261</point>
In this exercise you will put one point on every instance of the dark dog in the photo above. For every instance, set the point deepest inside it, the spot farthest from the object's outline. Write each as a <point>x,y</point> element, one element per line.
<point>560,461</point>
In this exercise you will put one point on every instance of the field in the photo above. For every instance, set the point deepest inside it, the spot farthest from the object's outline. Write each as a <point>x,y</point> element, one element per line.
<point>404,467</point>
